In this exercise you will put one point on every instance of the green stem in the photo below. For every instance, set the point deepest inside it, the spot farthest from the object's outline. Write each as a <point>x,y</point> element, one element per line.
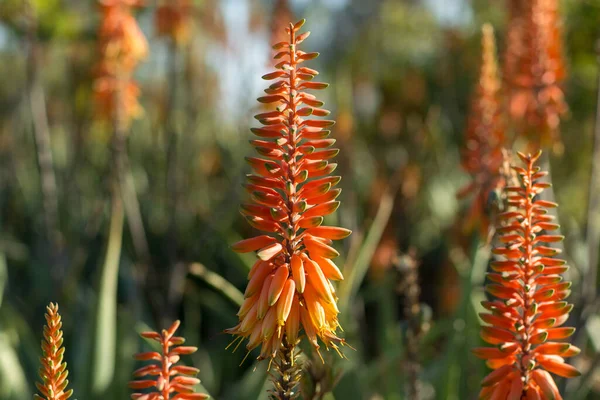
<point>218,282</point>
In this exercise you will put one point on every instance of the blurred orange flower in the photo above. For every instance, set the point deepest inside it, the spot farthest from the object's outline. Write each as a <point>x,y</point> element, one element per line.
<point>483,156</point>
<point>173,18</point>
<point>524,321</point>
<point>122,46</point>
<point>280,16</point>
<point>535,69</point>
<point>291,190</point>
<point>105,89</point>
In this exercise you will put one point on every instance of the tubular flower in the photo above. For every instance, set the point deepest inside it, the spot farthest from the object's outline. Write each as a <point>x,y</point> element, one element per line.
<point>173,18</point>
<point>535,70</point>
<point>53,371</point>
<point>291,190</point>
<point>122,46</point>
<point>525,320</point>
<point>483,156</point>
<point>171,381</point>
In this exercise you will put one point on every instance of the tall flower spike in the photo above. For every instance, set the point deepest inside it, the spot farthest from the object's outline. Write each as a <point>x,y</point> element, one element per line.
<point>535,70</point>
<point>515,47</point>
<point>291,191</point>
<point>525,320</point>
<point>53,371</point>
<point>122,46</point>
<point>169,381</point>
<point>483,156</point>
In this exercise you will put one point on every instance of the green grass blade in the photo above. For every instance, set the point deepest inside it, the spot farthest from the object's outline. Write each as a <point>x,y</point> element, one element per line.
<point>3,276</point>
<point>358,270</point>
<point>103,346</point>
<point>13,384</point>
<point>218,283</point>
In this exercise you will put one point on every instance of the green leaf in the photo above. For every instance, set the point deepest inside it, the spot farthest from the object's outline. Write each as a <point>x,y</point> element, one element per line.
<point>3,276</point>
<point>358,270</point>
<point>219,283</point>
<point>13,384</point>
<point>104,333</point>
<point>252,386</point>
<point>593,330</point>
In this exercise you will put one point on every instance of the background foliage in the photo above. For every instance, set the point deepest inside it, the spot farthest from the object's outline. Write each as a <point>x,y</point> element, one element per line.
<point>401,74</point>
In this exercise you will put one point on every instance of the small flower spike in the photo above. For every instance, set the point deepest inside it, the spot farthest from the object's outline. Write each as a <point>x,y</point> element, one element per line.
<point>122,46</point>
<point>483,155</point>
<point>53,371</point>
<point>167,380</point>
<point>524,322</point>
<point>292,190</point>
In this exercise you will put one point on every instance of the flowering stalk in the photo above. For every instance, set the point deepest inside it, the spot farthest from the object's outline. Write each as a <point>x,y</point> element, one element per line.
<point>53,371</point>
<point>122,47</point>
<point>172,381</point>
<point>291,190</point>
<point>515,47</point>
<point>535,69</point>
<point>483,155</point>
<point>525,320</point>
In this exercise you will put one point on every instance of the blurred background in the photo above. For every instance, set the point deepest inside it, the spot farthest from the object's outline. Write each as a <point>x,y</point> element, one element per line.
<point>401,75</point>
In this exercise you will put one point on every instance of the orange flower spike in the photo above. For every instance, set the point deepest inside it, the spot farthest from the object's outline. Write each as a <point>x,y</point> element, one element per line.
<point>53,371</point>
<point>122,46</point>
<point>170,381</point>
<point>515,48</point>
<point>292,191</point>
<point>120,35</point>
<point>525,320</point>
<point>483,157</point>
<point>536,72</point>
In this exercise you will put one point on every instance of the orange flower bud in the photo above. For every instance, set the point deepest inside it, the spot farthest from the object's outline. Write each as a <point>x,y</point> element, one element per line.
<point>284,304</point>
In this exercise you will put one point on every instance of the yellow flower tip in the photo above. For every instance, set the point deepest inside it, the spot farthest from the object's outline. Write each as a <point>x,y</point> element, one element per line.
<point>53,371</point>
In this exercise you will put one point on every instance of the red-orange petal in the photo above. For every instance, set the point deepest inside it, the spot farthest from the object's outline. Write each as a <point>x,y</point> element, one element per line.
<point>284,305</point>
<point>270,251</point>
<point>277,284</point>
<point>298,273</point>
<point>318,249</point>
<point>558,368</point>
<point>253,244</point>
<point>330,232</point>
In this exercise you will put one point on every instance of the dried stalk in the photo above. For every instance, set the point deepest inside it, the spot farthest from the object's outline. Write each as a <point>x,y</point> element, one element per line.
<point>287,372</point>
<point>409,268</point>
